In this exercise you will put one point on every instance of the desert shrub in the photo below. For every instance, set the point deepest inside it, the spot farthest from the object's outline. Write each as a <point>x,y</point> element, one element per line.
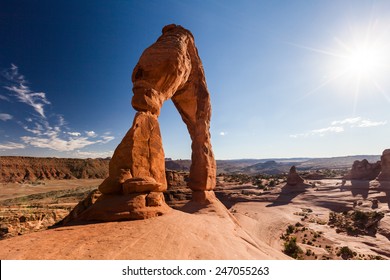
<point>290,229</point>
<point>346,253</point>
<point>291,248</point>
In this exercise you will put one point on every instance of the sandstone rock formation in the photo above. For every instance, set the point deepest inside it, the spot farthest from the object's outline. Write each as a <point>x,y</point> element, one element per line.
<point>363,170</point>
<point>168,69</point>
<point>293,177</point>
<point>385,170</point>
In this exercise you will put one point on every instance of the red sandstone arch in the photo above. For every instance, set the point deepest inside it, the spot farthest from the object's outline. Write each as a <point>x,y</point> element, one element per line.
<point>168,69</point>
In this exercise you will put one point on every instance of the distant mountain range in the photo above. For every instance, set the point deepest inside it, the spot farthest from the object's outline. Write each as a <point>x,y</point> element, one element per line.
<point>20,169</point>
<point>276,165</point>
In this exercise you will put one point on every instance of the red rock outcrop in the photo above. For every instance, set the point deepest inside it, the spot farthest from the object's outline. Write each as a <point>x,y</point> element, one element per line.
<point>31,169</point>
<point>385,170</point>
<point>168,69</point>
<point>293,177</point>
<point>363,170</point>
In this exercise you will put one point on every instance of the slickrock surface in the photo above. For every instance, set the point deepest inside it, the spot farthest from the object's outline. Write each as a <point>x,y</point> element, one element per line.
<point>207,233</point>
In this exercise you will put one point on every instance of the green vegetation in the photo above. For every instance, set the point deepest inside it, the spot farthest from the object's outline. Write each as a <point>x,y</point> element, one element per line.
<point>291,248</point>
<point>356,222</point>
<point>346,253</point>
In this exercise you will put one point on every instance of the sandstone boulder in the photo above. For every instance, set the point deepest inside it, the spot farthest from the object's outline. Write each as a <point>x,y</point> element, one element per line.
<point>385,169</point>
<point>363,170</point>
<point>293,177</point>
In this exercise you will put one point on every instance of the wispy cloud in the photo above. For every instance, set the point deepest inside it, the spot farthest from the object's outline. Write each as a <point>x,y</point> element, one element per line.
<point>368,123</point>
<point>319,132</point>
<point>11,146</point>
<point>94,154</point>
<point>50,132</point>
<point>5,117</point>
<point>107,138</point>
<point>5,98</point>
<point>347,121</point>
<point>57,144</point>
<point>222,133</point>
<point>23,93</point>
<point>340,126</point>
<point>91,133</point>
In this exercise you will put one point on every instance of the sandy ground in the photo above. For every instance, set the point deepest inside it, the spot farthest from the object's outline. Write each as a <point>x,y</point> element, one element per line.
<point>13,190</point>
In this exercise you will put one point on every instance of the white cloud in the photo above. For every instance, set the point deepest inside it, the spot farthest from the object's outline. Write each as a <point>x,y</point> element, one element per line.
<point>61,120</point>
<point>368,123</point>
<point>5,117</point>
<point>107,138</point>
<point>94,154</point>
<point>23,93</point>
<point>32,130</point>
<point>91,133</point>
<point>347,121</point>
<point>319,132</point>
<point>222,133</point>
<point>340,126</point>
<point>11,146</point>
<point>322,131</point>
<point>2,97</point>
<point>45,132</point>
<point>57,144</point>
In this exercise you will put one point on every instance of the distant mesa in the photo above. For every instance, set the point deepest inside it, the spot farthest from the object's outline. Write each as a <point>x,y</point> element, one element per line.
<point>384,175</point>
<point>363,170</point>
<point>293,177</point>
<point>32,169</point>
<point>168,69</point>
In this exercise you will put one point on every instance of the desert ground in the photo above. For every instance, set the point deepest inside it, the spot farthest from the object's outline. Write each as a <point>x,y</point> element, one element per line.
<point>320,219</point>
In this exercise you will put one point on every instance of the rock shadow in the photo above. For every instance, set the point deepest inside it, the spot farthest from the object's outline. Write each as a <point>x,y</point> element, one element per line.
<point>288,193</point>
<point>360,187</point>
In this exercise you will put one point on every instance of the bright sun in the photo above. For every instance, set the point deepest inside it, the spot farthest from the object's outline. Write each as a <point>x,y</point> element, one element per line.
<point>364,62</point>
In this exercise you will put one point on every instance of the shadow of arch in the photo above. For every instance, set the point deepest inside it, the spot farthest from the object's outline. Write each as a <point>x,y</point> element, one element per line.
<point>360,187</point>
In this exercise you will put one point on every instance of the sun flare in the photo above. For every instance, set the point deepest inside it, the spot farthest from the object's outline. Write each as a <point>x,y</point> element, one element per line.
<point>364,62</point>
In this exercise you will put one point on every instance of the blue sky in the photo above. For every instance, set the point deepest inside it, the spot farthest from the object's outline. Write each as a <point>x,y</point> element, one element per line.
<point>286,78</point>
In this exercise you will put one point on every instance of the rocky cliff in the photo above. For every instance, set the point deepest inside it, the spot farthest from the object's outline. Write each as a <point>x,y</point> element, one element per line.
<point>31,169</point>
